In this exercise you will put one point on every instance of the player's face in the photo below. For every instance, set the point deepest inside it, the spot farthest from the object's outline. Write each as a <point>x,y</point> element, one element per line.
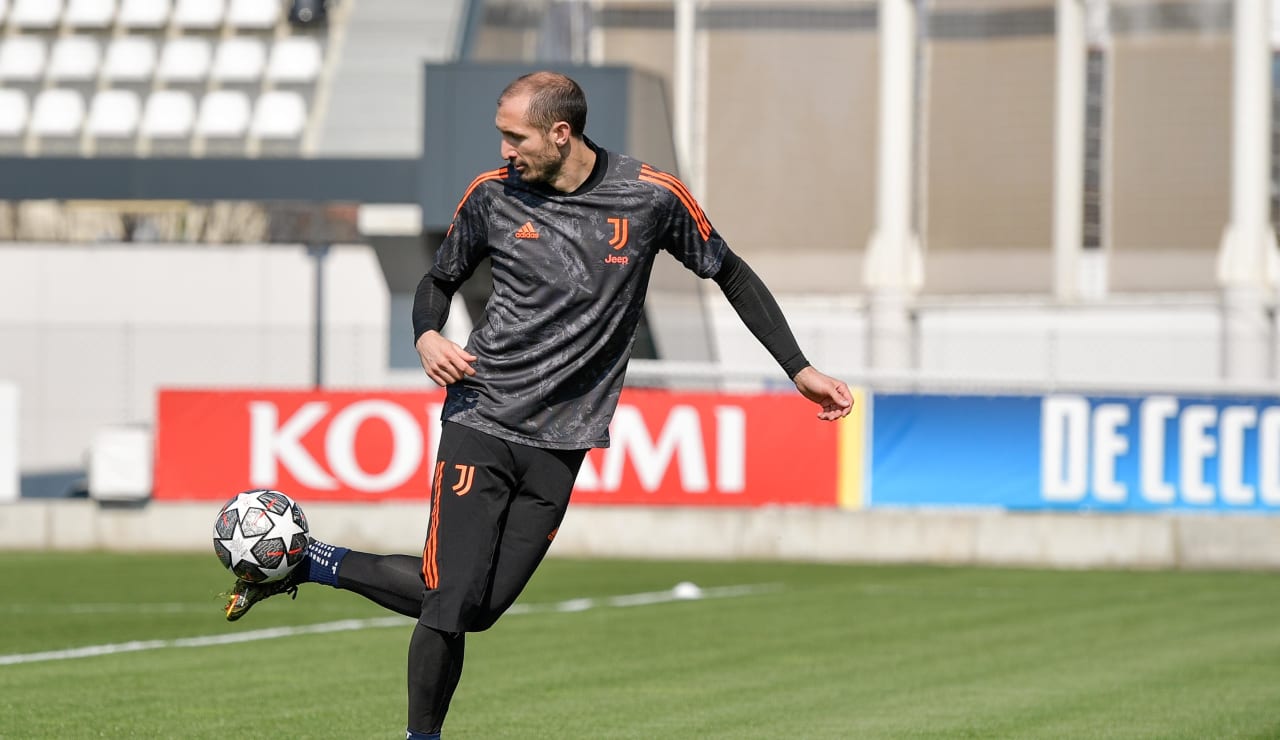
<point>533,152</point>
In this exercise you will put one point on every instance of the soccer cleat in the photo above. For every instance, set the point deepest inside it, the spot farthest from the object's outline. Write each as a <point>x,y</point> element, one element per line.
<point>245,594</point>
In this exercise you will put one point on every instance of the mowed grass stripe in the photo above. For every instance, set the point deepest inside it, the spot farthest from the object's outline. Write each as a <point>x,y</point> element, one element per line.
<point>836,652</point>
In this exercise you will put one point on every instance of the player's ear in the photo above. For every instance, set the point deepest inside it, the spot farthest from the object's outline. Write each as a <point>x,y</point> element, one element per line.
<point>560,133</point>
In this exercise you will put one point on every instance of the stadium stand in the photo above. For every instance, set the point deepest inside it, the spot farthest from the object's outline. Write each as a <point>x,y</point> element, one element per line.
<point>239,60</point>
<point>36,14</point>
<point>90,13</point>
<point>199,15</point>
<point>167,121</point>
<point>294,60</point>
<point>253,14</point>
<point>185,59</point>
<point>113,121</point>
<point>22,59</point>
<point>56,118</point>
<point>14,109</point>
<point>151,75</point>
<point>223,121</point>
<point>75,59</point>
<point>144,14</point>
<point>129,59</point>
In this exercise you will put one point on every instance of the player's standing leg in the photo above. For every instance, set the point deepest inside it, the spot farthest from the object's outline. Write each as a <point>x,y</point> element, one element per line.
<point>472,488</point>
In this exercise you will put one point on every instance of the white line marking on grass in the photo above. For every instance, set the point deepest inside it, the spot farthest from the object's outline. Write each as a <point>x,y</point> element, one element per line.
<point>349,625</point>
<point>103,608</point>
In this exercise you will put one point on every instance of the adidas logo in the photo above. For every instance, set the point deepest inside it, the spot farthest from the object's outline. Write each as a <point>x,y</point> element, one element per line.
<point>527,231</point>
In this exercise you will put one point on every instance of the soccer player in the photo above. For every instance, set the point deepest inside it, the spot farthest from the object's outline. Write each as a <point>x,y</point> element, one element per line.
<point>572,231</point>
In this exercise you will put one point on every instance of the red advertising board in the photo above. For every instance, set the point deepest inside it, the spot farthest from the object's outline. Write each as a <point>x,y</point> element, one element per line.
<point>667,448</point>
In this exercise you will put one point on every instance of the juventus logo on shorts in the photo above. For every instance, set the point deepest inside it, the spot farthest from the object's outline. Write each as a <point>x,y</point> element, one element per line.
<point>466,474</point>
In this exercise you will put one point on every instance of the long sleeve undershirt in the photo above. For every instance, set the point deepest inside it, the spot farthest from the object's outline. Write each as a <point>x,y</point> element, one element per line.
<point>745,291</point>
<point>760,312</point>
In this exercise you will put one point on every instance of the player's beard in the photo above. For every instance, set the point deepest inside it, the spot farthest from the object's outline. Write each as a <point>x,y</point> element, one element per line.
<point>543,168</point>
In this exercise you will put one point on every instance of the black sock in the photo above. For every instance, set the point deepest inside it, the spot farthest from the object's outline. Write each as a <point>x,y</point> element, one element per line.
<point>435,667</point>
<point>391,581</point>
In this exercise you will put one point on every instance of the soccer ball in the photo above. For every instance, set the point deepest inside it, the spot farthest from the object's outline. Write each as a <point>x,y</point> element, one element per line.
<point>260,535</point>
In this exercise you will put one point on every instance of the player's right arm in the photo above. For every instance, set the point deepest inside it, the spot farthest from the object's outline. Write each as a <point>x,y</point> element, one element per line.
<point>464,246</point>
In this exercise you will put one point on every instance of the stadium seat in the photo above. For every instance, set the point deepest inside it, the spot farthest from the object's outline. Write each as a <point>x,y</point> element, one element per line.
<point>279,114</point>
<point>223,114</point>
<point>4,10</point>
<point>57,113</point>
<point>130,59</point>
<point>239,59</point>
<point>254,14</point>
<point>294,59</point>
<point>169,114</point>
<point>199,14</point>
<point>22,58</point>
<point>144,14</point>
<point>185,59</point>
<point>114,114</point>
<point>90,13</point>
<point>36,13</point>
<point>74,58</point>
<point>13,113</point>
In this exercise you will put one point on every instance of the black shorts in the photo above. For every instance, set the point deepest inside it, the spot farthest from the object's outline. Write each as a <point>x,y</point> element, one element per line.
<point>495,508</point>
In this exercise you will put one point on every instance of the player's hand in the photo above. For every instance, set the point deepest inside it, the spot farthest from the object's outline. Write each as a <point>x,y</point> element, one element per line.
<point>444,361</point>
<point>831,394</point>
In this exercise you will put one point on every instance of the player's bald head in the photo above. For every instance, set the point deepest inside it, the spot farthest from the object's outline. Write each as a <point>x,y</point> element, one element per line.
<point>552,97</point>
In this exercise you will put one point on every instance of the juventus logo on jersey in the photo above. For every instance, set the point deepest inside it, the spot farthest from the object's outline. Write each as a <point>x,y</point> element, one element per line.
<point>619,238</point>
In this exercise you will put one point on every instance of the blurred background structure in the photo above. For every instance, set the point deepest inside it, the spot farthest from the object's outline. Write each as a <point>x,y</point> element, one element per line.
<point>976,194</point>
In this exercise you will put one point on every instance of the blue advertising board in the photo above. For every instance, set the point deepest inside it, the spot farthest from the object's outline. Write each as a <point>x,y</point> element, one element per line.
<point>1068,451</point>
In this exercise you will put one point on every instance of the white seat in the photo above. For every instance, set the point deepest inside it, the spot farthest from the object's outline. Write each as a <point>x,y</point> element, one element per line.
<point>90,13</point>
<point>114,114</point>
<point>36,13</point>
<point>169,114</point>
<point>223,114</point>
<point>185,59</point>
<point>260,14</point>
<point>144,13</point>
<point>279,114</point>
<point>22,58</point>
<point>57,112</point>
<point>13,112</point>
<point>4,9</point>
<point>130,59</point>
<point>75,58</point>
<point>294,59</point>
<point>239,59</point>
<point>199,14</point>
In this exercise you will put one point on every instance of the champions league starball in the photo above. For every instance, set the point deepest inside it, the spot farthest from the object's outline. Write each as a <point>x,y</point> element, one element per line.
<point>260,535</point>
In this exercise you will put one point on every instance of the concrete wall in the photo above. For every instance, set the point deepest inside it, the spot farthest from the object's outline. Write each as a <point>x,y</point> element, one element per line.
<point>941,537</point>
<point>91,332</point>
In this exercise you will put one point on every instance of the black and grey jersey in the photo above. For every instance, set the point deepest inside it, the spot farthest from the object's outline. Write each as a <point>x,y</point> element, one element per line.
<point>570,272</point>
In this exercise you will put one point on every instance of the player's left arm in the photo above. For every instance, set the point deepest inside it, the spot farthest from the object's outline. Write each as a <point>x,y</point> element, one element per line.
<point>760,312</point>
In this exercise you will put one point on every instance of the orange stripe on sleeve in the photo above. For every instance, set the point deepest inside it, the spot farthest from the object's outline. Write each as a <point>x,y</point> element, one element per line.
<point>672,183</point>
<point>497,174</point>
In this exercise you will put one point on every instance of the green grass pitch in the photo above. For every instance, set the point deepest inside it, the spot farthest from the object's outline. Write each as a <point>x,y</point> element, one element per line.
<point>815,651</point>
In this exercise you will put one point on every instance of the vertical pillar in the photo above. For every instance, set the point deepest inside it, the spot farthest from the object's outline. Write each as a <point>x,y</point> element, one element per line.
<point>318,252</point>
<point>1068,150</point>
<point>689,88</point>
<point>893,270</point>
<point>1247,257</point>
